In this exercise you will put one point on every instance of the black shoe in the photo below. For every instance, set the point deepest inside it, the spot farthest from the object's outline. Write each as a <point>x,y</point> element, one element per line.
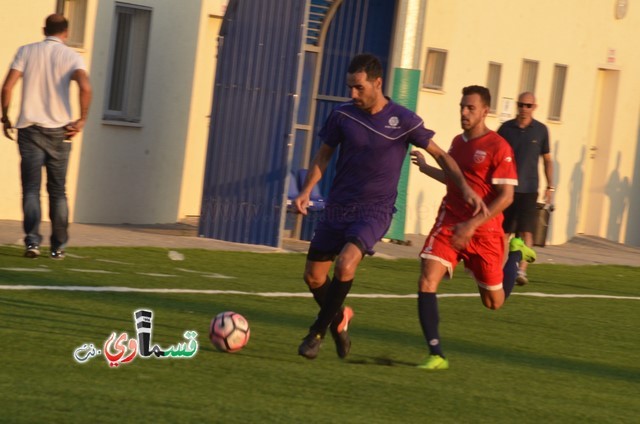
<point>57,254</point>
<point>310,345</point>
<point>32,251</point>
<point>341,335</point>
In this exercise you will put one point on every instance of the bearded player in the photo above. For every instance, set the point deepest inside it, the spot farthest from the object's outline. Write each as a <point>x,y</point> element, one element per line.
<point>486,161</point>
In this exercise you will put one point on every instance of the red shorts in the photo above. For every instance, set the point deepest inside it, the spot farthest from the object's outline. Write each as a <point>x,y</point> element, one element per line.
<point>482,257</point>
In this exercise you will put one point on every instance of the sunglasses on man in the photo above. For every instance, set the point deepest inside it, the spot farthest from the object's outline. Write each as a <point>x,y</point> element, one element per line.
<point>527,105</point>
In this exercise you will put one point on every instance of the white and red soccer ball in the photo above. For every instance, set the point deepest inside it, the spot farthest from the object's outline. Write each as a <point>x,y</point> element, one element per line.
<point>229,331</point>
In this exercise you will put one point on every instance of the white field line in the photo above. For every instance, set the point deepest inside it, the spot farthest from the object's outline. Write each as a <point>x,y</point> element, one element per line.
<point>26,269</point>
<point>93,271</point>
<point>109,261</point>
<point>100,271</point>
<point>285,294</point>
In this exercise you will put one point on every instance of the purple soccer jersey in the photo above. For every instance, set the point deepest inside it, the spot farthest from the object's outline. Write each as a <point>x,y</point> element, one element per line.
<point>372,151</point>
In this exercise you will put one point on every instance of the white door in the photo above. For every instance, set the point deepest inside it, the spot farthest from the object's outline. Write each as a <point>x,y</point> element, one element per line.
<point>595,211</point>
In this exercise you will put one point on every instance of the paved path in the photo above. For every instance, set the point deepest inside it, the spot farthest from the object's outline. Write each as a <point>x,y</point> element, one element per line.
<point>581,250</point>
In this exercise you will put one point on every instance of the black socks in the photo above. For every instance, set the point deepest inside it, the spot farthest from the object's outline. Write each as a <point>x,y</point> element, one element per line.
<point>429,319</point>
<point>510,272</point>
<point>334,297</point>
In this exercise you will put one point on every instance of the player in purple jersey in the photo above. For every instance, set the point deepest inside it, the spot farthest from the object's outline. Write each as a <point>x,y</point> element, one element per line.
<point>373,134</point>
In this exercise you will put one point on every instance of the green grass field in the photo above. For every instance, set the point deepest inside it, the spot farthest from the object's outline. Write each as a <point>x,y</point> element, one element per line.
<point>537,360</point>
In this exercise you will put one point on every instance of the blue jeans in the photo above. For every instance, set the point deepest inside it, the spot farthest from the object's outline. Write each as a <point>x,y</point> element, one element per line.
<point>44,147</point>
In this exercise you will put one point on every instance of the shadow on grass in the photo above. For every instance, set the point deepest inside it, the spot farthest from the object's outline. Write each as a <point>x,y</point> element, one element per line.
<point>541,361</point>
<point>378,360</point>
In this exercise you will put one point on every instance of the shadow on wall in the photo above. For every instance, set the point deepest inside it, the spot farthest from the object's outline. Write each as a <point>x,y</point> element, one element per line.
<point>419,205</point>
<point>617,189</point>
<point>556,178</point>
<point>575,194</point>
<point>632,236</point>
<point>427,206</point>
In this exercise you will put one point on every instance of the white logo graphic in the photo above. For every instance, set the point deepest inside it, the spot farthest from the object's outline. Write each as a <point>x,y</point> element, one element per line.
<point>393,123</point>
<point>479,156</point>
<point>508,159</point>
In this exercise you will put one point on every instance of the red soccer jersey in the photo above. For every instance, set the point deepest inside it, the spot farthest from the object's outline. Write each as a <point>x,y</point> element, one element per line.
<point>484,162</point>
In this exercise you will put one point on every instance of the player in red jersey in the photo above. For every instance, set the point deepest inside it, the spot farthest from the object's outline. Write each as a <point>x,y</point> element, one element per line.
<point>486,161</point>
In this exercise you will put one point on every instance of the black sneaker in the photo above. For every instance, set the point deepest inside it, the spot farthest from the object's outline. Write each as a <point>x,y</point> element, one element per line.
<point>310,345</point>
<point>32,251</point>
<point>341,335</point>
<point>57,254</point>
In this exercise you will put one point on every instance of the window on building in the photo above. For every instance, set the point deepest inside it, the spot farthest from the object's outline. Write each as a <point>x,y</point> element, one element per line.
<point>76,13</point>
<point>129,45</point>
<point>493,84</point>
<point>434,69</point>
<point>557,92</point>
<point>529,76</point>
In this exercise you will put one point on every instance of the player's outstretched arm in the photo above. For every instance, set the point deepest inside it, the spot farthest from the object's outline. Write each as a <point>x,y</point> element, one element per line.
<point>452,172</point>
<point>417,158</point>
<point>314,174</point>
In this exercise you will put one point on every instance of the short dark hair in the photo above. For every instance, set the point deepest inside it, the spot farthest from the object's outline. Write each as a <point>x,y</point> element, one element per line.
<point>367,63</point>
<point>483,92</point>
<point>55,24</point>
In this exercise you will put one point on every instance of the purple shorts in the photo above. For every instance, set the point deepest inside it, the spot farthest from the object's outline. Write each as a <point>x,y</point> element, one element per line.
<point>363,227</point>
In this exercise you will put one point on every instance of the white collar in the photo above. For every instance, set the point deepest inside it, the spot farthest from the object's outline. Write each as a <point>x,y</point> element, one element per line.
<point>53,38</point>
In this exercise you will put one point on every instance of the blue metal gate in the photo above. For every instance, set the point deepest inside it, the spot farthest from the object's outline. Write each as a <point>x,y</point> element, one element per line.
<point>251,119</point>
<point>253,141</point>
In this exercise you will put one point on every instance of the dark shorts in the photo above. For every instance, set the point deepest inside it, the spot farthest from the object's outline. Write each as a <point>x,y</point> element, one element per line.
<point>520,216</point>
<point>340,226</point>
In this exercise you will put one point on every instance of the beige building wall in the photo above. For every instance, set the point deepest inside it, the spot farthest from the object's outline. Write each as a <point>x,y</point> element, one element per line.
<point>131,173</point>
<point>150,172</point>
<point>20,25</point>
<point>201,99</point>
<point>594,145</point>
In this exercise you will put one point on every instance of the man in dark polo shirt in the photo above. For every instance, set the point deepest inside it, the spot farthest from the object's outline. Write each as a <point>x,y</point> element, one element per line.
<point>530,140</point>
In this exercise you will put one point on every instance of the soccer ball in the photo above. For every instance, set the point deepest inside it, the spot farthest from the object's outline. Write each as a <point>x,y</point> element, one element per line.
<point>229,331</point>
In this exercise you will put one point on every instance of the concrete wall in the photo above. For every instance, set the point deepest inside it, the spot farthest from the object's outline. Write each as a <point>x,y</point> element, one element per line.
<point>585,36</point>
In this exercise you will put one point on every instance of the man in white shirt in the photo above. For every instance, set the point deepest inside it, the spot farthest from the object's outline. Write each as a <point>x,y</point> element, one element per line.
<point>45,127</point>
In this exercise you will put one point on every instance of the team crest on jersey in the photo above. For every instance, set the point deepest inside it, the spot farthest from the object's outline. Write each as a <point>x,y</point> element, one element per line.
<point>393,123</point>
<point>479,156</point>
